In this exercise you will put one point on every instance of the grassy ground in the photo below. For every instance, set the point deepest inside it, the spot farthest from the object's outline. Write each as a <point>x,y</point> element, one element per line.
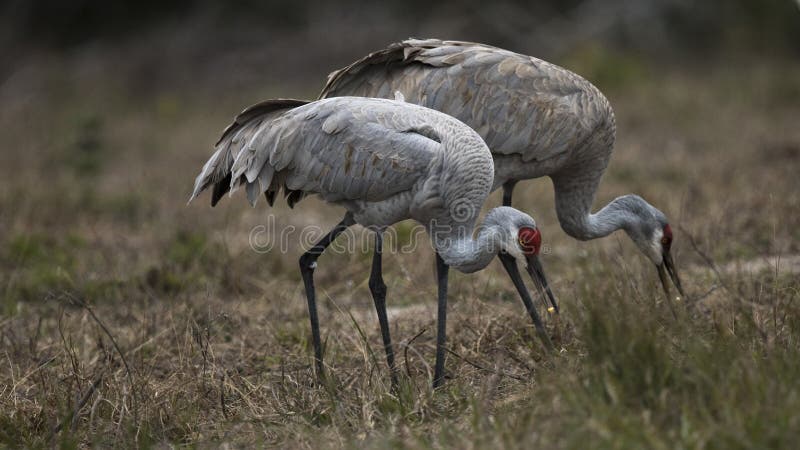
<point>129,318</point>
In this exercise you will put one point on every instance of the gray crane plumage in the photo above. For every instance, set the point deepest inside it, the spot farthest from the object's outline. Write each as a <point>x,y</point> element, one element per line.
<point>537,118</point>
<point>383,161</point>
<point>491,90</point>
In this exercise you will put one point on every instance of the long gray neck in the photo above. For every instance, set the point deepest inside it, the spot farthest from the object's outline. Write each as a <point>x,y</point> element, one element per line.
<point>575,187</point>
<point>574,214</point>
<point>466,253</point>
<point>614,216</point>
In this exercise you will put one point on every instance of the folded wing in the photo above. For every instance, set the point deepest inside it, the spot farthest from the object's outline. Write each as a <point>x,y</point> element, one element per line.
<point>342,149</point>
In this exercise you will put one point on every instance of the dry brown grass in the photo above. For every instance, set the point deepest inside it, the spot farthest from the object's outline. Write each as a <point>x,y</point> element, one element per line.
<point>98,249</point>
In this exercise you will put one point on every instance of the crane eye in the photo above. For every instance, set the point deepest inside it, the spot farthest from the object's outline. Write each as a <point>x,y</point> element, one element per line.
<point>664,240</point>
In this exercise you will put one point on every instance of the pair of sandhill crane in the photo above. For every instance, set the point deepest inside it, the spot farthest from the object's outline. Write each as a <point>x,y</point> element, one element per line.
<point>473,118</point>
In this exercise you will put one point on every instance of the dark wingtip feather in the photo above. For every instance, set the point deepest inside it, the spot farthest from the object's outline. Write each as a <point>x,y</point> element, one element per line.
<point>270,196</point>
<point>220,189</point>
<point>293,197</point>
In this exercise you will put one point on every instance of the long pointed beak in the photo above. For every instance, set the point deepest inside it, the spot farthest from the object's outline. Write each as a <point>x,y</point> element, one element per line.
<point>536,272</point>
<point>510,264</point>
<point>668,266</point>
<point>673,273</point>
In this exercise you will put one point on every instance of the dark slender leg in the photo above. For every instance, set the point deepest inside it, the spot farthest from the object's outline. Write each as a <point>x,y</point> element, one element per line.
<point>510,264</point>
<point>378,289</point>
<point>308,262</point>
<point>508,189</point>
<point>441,321</point>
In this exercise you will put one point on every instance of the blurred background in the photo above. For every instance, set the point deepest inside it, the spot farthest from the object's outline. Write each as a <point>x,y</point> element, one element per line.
<point>164,44</point>
<point>109,109</point>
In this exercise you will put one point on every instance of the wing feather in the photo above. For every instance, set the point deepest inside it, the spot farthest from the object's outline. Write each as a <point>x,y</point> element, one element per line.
<point>517,103</point>
<point>341,149</point>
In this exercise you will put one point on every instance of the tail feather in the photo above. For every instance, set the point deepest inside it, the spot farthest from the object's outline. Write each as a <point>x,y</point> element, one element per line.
<point>270,195</point>
<point>252,193</point>
<point>228,167</point>
<point>214,170</point>
<point>220,189</point>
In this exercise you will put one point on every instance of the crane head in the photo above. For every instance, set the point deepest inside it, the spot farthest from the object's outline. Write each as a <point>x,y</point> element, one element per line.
<point>666,265</point>
<point>657,246</point>
<point>529,239</point>
<point>520,242</point>
<point>649,229</point>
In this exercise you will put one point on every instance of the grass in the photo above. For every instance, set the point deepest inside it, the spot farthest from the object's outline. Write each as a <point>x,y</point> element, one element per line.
<point>130,319</point>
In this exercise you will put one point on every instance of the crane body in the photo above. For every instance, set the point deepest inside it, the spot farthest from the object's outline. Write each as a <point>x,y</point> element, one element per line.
<point>537,118</point>
<point>383,161</point>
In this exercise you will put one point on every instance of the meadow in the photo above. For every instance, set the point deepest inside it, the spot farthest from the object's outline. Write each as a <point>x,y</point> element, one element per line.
<point>129,318</point>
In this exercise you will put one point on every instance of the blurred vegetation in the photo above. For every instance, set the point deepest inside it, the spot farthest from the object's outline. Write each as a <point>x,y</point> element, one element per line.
<point>84,154</point>
<point>681,25</point>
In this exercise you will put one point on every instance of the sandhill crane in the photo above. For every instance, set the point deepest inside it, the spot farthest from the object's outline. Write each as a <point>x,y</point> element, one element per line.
<point>383,161</point>
<point>537,118</point>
